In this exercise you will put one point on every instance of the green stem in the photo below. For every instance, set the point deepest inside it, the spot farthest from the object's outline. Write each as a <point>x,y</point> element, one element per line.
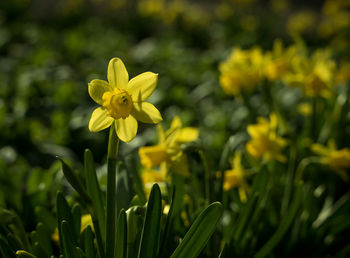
<point>113,146</point>
<point>289,180</point>
<point>301,167</point>
<point>206,176</point>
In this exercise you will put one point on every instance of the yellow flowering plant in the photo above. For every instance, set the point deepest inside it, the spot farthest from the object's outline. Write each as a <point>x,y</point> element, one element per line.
<point>242,71</point>
<point>123,101</point>
<point>168,153</point>
<point>235,177</point>
<point>314,76</point>
<point>337,159</point>
<point>265,143</point>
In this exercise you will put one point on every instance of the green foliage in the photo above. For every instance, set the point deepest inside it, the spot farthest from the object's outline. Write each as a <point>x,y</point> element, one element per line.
<point>48,55</point>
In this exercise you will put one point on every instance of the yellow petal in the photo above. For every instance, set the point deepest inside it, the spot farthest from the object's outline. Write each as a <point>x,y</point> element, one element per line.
<point>320,149</point>
<point>176,123</point>
<point>161,134</point>
<point>146,113</point>
<point>97,88</point>
<point>187,134</point>
<point>126,128</point>
<point>86,220</point>
<point>152,156</point>
<point>99,120</point>
<point>117,74</point>
<point>142,86</point>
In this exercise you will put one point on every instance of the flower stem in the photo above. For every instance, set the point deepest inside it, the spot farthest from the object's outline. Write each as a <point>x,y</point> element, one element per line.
<point>113,146</point>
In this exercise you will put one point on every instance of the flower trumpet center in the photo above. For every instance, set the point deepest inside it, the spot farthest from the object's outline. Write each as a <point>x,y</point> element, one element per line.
<point>118,103</point>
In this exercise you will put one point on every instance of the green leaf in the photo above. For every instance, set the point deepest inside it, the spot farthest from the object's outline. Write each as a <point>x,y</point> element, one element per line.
<point>6,250</point>
<point>121,239</point>
<point>74,181</point>
<point>76,214</point>
<point>169,221</point>
<point>123,189</point>
<point>63,213</point>
<point>135,216</point>
<point>13,242</point>
<point>80,252</point>
<point>151,227</point>
<point>43,236</point>
<point>68,241</point>
<point>39,251</point>
<point>89,242</point>
<point>24,254</point>
<point>285,224</point>
<point>46,217</point>
<point>199,232</point>
<point>94,191</point>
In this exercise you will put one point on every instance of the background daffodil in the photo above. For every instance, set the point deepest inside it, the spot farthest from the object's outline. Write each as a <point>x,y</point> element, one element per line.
<point>123,101</point>
<point>337,159</point>
<point>168,152</point>
<point>235,178</point>
<point>265,142</point>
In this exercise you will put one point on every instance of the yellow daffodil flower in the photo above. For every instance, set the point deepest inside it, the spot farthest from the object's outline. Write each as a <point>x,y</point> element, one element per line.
<point>277,61</point>
<point>123,101</point>
<point>151,176</point>
<point>338,160</point>
<point>235,178</point>
<point>242,71</point>
<point>168,152</point>
<point>265,143</point>
<point>315,75</point>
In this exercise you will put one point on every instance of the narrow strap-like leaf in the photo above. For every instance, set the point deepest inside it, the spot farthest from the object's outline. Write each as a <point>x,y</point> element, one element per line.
<point>121,239</point>
<point>123,189</point>
<point>169,220</point>
<point>199,233</point>
<point>24,254</point>
<point>63,213</point>
<point>44,216</point>
<point>74,181</point>
<point>43,237</point>
<point>151,227</point>
<point>89,243</point>
<point>76,214</point>
<point>282,229</point>
<point>94,191</point>
<point>68,242</point>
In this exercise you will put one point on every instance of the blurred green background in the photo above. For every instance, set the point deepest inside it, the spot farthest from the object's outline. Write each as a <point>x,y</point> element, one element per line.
<point>50,50</point>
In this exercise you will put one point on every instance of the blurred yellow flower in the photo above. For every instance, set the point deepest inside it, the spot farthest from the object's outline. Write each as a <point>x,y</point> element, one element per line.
<point>265,143</point>
<point>277,61</point>
<point>305,109</point>
<point>242,71</point>
<point>168,152</point>
<point>151,176</point>
<point>338,160</point>
<point>343,73</point>
<point>235,178</point>
<point>315,75</point>
<point>123,101</point>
